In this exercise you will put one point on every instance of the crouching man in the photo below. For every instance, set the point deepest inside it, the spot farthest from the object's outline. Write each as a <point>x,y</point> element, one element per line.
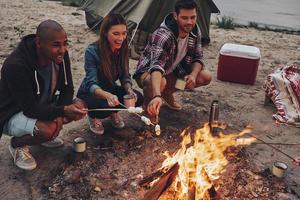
<point>173,52</point>
<point>36,93</point>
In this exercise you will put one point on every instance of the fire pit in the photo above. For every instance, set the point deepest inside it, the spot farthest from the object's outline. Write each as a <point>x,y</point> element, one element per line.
<point>191,171</point>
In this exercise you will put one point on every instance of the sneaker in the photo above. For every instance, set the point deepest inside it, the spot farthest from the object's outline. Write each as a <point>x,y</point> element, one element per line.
<point>22,158</point>
<point>171,102</point>
<point>96,125</point>
<point>117,121</point>
<point>56,142</point>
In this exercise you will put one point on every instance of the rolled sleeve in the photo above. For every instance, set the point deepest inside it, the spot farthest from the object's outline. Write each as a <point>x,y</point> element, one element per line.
<point>93,88</point>
<point>160,51</point>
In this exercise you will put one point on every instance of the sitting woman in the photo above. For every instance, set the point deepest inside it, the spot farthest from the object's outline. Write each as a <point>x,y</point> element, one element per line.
<point>106,61</point>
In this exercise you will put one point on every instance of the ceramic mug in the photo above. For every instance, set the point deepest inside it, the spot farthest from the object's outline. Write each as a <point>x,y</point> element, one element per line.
<point>79,145</point>
<point>180,84</point>
<point>279,169</point>
<point>129,101</point>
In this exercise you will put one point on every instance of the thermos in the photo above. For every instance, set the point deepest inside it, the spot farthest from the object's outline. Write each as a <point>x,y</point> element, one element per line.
<point>214,117</point>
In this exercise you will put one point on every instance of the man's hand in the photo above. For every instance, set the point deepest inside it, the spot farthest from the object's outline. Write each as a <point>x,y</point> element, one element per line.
<point>59,124</point>
<point>112,100</point>
<point>190,81</point>
<point>74,112</point>
<point>154,106</point>
<point>297,161</point>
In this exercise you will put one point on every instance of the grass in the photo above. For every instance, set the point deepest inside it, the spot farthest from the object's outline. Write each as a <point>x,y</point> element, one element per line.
<point>225,22</point>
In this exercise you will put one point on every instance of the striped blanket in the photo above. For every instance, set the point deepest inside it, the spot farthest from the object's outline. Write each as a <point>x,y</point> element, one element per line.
<point>283,88</point>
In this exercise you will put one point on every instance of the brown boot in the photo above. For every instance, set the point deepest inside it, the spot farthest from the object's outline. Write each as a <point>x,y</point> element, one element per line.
<point>171,102</point>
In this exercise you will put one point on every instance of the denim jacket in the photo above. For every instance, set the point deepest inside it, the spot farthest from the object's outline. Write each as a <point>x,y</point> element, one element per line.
<point>94,78</point>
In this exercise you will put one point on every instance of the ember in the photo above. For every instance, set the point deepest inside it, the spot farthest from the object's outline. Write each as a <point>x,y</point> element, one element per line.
<point>190,172</point>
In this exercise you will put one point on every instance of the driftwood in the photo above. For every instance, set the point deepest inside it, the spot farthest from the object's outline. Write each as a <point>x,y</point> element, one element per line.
<point>162,184</point>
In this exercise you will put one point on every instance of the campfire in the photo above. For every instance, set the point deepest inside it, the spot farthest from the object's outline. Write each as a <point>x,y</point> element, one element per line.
<point>191,171</point>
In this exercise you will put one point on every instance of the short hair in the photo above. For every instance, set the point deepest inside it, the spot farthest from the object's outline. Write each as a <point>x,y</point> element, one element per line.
<point>185,4</point>
<point>46,26</point>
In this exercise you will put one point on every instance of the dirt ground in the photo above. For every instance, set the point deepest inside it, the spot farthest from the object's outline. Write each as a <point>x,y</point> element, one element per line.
<point>136,153</point>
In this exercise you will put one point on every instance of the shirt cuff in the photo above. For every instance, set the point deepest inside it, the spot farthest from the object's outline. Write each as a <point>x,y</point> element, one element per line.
<point>156,68</point>
<point>93,88</point>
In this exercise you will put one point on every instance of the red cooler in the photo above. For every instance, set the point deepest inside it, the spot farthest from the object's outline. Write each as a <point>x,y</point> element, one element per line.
<point>238,63</point>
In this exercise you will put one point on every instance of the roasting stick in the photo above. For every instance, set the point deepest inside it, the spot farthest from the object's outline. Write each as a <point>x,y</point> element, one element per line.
<point>103,109</point>
<point>147,121</point>
<point>136,114</point>
<point>274,143</point>
<point>287,155</point>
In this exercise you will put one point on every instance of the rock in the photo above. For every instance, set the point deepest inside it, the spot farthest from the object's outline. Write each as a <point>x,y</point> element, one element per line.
<point>55,189</point>
<point>286,196</point>
<point>97,189</point>
<point>72,175</point>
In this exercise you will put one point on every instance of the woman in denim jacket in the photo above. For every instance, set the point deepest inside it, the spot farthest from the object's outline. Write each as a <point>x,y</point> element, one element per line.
<point>106,61</point>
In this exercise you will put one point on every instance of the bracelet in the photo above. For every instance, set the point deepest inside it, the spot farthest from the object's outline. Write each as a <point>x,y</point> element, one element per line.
<point>156,96</point>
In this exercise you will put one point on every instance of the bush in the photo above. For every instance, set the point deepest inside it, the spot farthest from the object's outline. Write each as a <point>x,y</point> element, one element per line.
<point>74,3</point>
<point>225,22</point>
<point>253,25</point>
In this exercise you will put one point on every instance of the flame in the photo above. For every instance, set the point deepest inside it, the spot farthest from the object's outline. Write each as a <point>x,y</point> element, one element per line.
<point>201,160</point>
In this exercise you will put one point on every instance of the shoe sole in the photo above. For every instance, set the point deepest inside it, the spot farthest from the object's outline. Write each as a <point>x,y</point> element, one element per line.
<point>173,108</point>
<point>55,146</point>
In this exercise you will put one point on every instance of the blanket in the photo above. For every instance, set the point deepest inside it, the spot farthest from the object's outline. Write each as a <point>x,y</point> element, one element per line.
<point>283,88</point>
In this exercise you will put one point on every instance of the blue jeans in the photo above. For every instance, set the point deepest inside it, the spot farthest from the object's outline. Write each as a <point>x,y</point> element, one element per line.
<point>19,125</point>
<point>95,103</point>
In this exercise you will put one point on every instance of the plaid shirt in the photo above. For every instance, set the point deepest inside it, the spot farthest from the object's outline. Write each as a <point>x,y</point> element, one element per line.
<point>161,50</point>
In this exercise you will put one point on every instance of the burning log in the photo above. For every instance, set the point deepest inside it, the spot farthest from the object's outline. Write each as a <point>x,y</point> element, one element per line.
<point>162,184</point>
<point>193,168</point>
<point>148,179</point>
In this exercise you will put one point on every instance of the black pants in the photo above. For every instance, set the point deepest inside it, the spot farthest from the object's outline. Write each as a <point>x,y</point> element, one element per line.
<point>94,103</point>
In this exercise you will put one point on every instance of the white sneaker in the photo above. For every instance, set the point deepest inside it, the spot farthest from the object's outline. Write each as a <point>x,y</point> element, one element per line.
<point>96,125</point>
<point>22,158</point>
<point>117,121</point>
<point>56,142</point>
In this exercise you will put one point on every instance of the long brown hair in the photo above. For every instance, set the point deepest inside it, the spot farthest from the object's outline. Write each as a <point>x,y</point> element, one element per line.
<point>105,50</point>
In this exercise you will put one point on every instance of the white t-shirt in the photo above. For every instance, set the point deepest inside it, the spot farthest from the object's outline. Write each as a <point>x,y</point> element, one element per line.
<point>181,50</point>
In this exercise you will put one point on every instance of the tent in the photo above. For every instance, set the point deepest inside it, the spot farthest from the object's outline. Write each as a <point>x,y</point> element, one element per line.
<point>147,14</point>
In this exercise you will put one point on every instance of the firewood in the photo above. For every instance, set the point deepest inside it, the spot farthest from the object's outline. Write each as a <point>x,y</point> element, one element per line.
<point>162,184</point>
<point>148,179</point>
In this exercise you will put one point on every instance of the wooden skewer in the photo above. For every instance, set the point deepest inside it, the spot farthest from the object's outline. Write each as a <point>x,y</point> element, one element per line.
<point>136,113</point>
<point>104,109</point>
<point>287,155</point>
<point>274,143</point>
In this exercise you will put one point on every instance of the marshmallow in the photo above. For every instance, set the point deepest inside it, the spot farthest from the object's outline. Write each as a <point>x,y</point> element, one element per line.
<point>157,129</point>
<point>135,110</point>
<point>138,110</point>
<point>146,120</point>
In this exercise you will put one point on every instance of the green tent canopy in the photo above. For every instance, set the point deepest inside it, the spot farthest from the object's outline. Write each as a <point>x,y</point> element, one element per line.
<point>147,14</point>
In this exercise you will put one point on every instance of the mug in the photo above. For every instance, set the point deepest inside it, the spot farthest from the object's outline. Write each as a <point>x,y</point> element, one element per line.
<point>129,101</point>
<point>79,145</point>
<point>279,169</point>
<point>180,84</point>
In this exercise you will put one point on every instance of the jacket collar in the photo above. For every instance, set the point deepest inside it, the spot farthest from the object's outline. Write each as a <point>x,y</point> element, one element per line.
<point>171,24</point>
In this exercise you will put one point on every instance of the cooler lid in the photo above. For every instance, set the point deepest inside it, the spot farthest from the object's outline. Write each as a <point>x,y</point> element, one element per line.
<point>244,51</point>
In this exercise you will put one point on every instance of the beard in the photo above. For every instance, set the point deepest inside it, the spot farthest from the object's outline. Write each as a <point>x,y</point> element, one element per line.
<point>186,28</point>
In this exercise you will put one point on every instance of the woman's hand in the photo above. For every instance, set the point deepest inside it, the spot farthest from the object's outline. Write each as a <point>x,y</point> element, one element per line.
<point>132,93</point>
<point>112,100</point>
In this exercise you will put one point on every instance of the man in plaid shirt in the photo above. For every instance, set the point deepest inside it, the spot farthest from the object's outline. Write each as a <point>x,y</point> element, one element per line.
<point>173,51</point>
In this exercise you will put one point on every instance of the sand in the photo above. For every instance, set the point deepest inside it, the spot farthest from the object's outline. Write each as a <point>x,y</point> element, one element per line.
<point>240,105</point>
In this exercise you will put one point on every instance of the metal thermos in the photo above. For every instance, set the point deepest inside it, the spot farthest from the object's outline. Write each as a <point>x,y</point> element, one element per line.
<point>214,116</point>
